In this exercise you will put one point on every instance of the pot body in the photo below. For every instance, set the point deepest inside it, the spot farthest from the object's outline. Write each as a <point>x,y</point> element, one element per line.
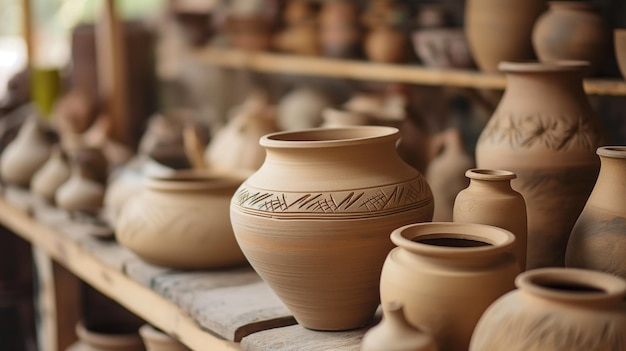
<point>446,275</point>
<point>51,175</point>
<point>386,44</point>
<point>556,309</point>
<point>619,43</point>
<point>490,199</point>
<point>500,30</point>
<point>598,240</point>
<point>181,221</point>
<point>314,220</point>
<point>545,131</point>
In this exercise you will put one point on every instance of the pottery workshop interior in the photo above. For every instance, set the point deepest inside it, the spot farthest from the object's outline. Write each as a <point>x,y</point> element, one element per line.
<point>304,175</point>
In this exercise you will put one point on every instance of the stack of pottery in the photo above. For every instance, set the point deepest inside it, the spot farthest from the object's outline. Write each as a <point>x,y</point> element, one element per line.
<point>386,40</point>
<point>301,34</point>
<point>314,220</point>
<point>339,30</point>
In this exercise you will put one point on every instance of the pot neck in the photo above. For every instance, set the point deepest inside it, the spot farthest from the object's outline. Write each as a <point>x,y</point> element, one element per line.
<point>548,79</point>
<point>610,183</point>
<point>490,178</point>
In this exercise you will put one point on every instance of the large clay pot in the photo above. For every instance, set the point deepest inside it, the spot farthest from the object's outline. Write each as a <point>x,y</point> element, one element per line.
<point>572,30</point>
<point>314,220</point>
<point>490,199</point>
<point>156,340</point>
<point>395,333</point>
<point>500,30</point>
<point>598,240</point>
<point>556,309</point>
<point>446,275</point>
<point>545,131</point>
<point>113,337</point>
<point>181,221</point>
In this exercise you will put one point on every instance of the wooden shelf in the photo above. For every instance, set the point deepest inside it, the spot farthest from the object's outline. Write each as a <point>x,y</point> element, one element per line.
<point>362,70</point>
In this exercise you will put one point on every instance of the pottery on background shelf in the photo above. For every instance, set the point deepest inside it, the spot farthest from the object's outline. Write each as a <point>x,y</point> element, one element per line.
<point>51,175</point>
<point>181,221</point>
<point>619,43</point>
<point>490,199</point>
<point>386,40</point>
<point>109,338</point>
<point>598,240</point>
<point>314,220</point>
<point>84,189</point>
<point>501,30</point>
<point>395,333</point>
<point>442,47</point>
<point>446,275</point>
<point>572,30</point>
<point>300,35</point>
<point>546,132</point>
<point>339,31</point>
<point>301,108</point>
<point>556,309</point>
<point>156,340</point>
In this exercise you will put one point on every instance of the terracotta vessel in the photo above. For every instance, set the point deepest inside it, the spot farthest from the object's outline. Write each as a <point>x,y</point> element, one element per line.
<point>619,42</point>
<point>500,30</point>
<point>80,193</point>
<point>395,333</point>
<point>109,338</point>
<point>490,199</point>
<point>181,221</point>
<point>598,240</point>
<point>339,31</point>
<point>314,220</point>
<point>299,40</point>
<point>386,44</point>
<point>545,131</point>
<point>439,267</point>
<point>156,340</point>
<point>51,175</point>
<point>572,30</point>
<point>556,309</point>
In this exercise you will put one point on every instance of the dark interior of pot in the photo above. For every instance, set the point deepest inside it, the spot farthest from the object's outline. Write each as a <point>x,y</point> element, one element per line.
<point>113,328</point>
<point>569,287</point>
<point>451,242</point>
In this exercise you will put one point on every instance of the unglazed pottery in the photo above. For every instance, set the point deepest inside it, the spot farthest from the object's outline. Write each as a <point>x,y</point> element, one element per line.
<point>181,221</point>
<point>395,333</point>
<point>619,42</point>
<point>556,309</point>
<point>545,131</point>
<point>386,44</point>
<point>156,340</point>
<point>339,30</point>
<point>572,30</point>
<point>598,240</point>
<point>490,199</point>
<point>446,275</point>
<point>314,220</point>
<point>442,47</point>
<point>107,338</point>
<point>501,30</point>
<point>80,192</point>
<point>51,175</point>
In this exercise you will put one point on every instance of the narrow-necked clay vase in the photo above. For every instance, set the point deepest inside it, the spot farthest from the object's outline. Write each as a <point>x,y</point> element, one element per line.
<point>395,333</point>
<point>181,221</point>
<point>314,220</point>
<point>109,338</point>
<point>156,340</point>
<point>51,175</point>
<point>447,274</point>
<point>501,30</point>
<point>490,199</point>
<point>572,30</point>
<point>556,309</point>
<point>598,240</point>
<point>619,43</point>
<point>545,131</point>
<point>84,189</point>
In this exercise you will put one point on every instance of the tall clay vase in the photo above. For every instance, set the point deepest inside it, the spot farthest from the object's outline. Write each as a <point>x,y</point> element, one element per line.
<point>545,131</point>
<point>395,333</point>
<point>556,309</point>
<point>314,220</point>
<point>446,275</point>
<point>598,240</point>
<point>572,30</point>
<point>500,30</point>
<point>490,199</point>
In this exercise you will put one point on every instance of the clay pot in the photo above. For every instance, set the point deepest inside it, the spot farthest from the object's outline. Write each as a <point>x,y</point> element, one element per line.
<point>299,40</point>
<point>181,221</point>
<point>545,131</point>
<point>556,309</point>
<point>442,48</point>
<point>386,44</point>
<point>80,193</point>
<point>619,36</point>
<point>446,275</point>
<point>301,108</point>
<point>156,340</point>
<point>314,220</point>
<point>598,240</point>
<point>109,338</point>
<point>339,30</point>
<point>395,333</point>
<point>26,153</point>
<point>500,30</point>
<point>572,30</point>
<point>51,175</point>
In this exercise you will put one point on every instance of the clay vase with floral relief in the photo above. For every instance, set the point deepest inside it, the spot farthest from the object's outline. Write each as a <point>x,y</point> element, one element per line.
<point>598,240</point>
<point>446,275</point>
<point>314,220</point>
<point>545,131</point>
<point>556,309</point>
<point>490,199</point>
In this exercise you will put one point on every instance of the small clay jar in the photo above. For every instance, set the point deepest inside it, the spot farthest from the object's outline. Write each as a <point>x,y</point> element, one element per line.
<point>51,175</point>
<point>490,199</point>
<point>386,44</point>
<point>156,340</point>
<point>395,333</point>
<point>107,338</point>
<point>80,193</point>
<point>556,309</point>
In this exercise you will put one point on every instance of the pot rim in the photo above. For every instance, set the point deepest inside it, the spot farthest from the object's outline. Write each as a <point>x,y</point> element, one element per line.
<point>574,5</point>
<point>328,137</point>
<point>532,66</point>
<point>489,174</point>
<point>610,287</point>
<point>193,180</point>
<point>94,337</point>
<point>499,240</point>
<point>612,151</point>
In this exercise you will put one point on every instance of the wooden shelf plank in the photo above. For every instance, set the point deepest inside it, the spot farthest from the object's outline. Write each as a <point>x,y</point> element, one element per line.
<point>267,62</point>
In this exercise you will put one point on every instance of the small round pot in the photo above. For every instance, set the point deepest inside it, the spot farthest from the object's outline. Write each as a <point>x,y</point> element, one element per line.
<point>109,338</point>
